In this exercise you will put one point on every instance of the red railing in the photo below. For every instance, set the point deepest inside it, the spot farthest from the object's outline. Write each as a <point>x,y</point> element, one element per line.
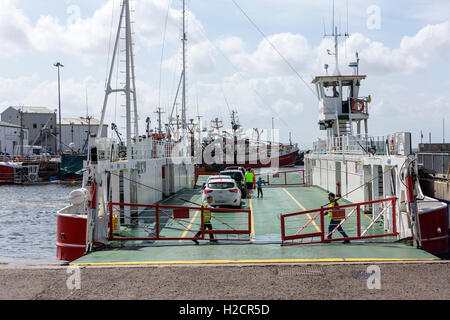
<point>283,178</point>
<point>162,222</point>
<point>294,226</point>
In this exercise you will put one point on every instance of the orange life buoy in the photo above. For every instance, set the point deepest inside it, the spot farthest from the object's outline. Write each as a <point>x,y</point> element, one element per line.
<point>358,106</point>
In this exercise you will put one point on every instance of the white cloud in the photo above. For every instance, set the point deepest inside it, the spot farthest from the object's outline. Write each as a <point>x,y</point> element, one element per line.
<point>35,91</point>
<point>14,29</point>
<point>90,35</point>
<point>231,45</point>
<point>200,59</point>
<point>265,60</point>
<point>265,86</point>
<point>414,53</point>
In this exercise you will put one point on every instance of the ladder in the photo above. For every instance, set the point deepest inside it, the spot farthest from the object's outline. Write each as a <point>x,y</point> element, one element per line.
<point>17,177</point>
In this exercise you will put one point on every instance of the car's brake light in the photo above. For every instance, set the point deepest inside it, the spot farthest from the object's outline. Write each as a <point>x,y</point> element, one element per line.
<point>207,191</point>
<point>234,190</point>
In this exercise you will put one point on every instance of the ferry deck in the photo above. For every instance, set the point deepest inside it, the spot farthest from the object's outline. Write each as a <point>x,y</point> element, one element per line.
<point>262,244</point>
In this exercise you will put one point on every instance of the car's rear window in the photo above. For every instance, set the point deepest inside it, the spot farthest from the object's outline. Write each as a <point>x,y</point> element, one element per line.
<point>235,175</point>
<point>221,185</point>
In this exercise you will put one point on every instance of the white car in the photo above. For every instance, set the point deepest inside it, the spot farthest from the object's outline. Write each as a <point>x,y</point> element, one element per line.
<point>225,192</point>
<point>218,177</point>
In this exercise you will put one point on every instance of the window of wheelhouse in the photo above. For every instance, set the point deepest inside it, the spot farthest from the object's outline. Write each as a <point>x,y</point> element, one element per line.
<point>331,89</point>
<point>347,95</point>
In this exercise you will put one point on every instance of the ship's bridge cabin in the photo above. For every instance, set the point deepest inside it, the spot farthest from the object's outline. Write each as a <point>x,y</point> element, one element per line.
<point>340,104</point>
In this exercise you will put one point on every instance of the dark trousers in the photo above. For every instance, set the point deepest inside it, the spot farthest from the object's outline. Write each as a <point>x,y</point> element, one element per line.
<point>334,224</point>
<point>260,192</point>
<point>207,225</point>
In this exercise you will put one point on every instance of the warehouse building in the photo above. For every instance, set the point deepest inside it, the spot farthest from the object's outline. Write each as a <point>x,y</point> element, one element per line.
<point>75,133</point>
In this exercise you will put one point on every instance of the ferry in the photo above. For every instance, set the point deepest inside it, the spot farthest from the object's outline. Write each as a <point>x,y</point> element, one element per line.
<point>142,206</point>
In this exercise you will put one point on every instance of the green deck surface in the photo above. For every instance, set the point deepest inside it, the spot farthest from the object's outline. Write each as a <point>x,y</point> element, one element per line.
<point>263,246</point>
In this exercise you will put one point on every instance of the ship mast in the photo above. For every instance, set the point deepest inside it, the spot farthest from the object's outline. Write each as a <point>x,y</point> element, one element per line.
<point>159,112</point>
<point>335,34</point>
<point>130,85</point>
<point>184,39</point>
<point>217,124</point>
<point>182,86</point>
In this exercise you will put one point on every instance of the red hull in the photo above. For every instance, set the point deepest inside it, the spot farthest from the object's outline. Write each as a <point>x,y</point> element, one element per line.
<point>287,160</point>
<point>6,174</point>
<point>71,233</point>
<point>434,231</point>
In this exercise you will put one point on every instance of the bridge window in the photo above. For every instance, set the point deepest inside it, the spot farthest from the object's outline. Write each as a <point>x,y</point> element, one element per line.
<point>331,89</point>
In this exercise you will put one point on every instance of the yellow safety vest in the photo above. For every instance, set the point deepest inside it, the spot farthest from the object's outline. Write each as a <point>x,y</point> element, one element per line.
<point>249,176</point>
<point>330,213</point>
<point>206,212</point>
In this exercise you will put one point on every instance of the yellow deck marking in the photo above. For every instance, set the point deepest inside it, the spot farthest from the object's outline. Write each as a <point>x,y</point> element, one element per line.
<point>323,260</point>
<point>190,225</point>
<point>388,259</point>
<point>252,231</point>
<point>209,262</point>
<point>303,208</point>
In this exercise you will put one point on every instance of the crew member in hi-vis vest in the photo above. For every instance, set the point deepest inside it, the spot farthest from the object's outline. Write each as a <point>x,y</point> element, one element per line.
<point>334,221</point>
<point>206,219</point>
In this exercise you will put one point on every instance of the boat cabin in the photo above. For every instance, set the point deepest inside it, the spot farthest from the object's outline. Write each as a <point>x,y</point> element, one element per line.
<point>339,103</point>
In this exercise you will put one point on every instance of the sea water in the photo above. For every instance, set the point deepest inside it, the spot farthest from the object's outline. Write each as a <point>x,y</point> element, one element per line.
<point>28,223</point>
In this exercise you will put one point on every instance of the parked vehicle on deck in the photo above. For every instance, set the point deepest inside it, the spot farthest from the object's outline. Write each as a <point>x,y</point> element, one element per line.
<point>225,192</point>
<point>239,177</point>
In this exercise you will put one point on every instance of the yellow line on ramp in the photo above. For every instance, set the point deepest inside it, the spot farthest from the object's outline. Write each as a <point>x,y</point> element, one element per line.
<point>190,225</point>
<point>303,208</point>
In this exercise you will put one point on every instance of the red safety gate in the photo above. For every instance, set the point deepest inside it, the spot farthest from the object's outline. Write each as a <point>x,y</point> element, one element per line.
<point>359,221</point>
<point>283,178</point>
<point>172,223</point>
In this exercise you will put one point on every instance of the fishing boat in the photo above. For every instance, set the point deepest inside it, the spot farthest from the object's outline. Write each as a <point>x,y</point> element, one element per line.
<point>234,147</point>
<point>15,172</point>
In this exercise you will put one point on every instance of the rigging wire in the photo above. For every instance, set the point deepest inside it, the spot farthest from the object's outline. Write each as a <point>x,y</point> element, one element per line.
<point>110,41</point>
<point>176,82</point>
<point>239,73</point>
<point>274,47</point>
<point>226,101</point>
<point>186,52</point>
<point>162,51</point>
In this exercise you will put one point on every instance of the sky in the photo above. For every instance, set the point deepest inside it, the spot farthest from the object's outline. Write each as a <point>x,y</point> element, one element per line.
<point>404,49</point>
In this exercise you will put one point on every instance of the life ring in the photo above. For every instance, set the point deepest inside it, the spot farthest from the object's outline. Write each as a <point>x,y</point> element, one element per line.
<point>32,177</point>
<point>358,106</point>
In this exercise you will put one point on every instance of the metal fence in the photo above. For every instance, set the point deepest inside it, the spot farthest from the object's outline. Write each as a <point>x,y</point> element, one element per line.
<point>176,223</point>
<point>398,144</point>
<point>359,221</point>
<point>283,178</point>
<point>434,163</point>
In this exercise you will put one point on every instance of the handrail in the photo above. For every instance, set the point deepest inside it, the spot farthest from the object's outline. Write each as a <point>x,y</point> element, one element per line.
<point>161,212</point>
<point>360,235</point>
<point>300,182</point>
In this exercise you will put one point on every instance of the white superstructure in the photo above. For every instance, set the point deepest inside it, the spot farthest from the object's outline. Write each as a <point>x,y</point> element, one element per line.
<point>362,168</point>
<point>144,171</point>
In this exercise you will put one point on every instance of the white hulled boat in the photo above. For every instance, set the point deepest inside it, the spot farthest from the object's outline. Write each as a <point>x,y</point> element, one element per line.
<point>362,168</point>
<point>149,170</point>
